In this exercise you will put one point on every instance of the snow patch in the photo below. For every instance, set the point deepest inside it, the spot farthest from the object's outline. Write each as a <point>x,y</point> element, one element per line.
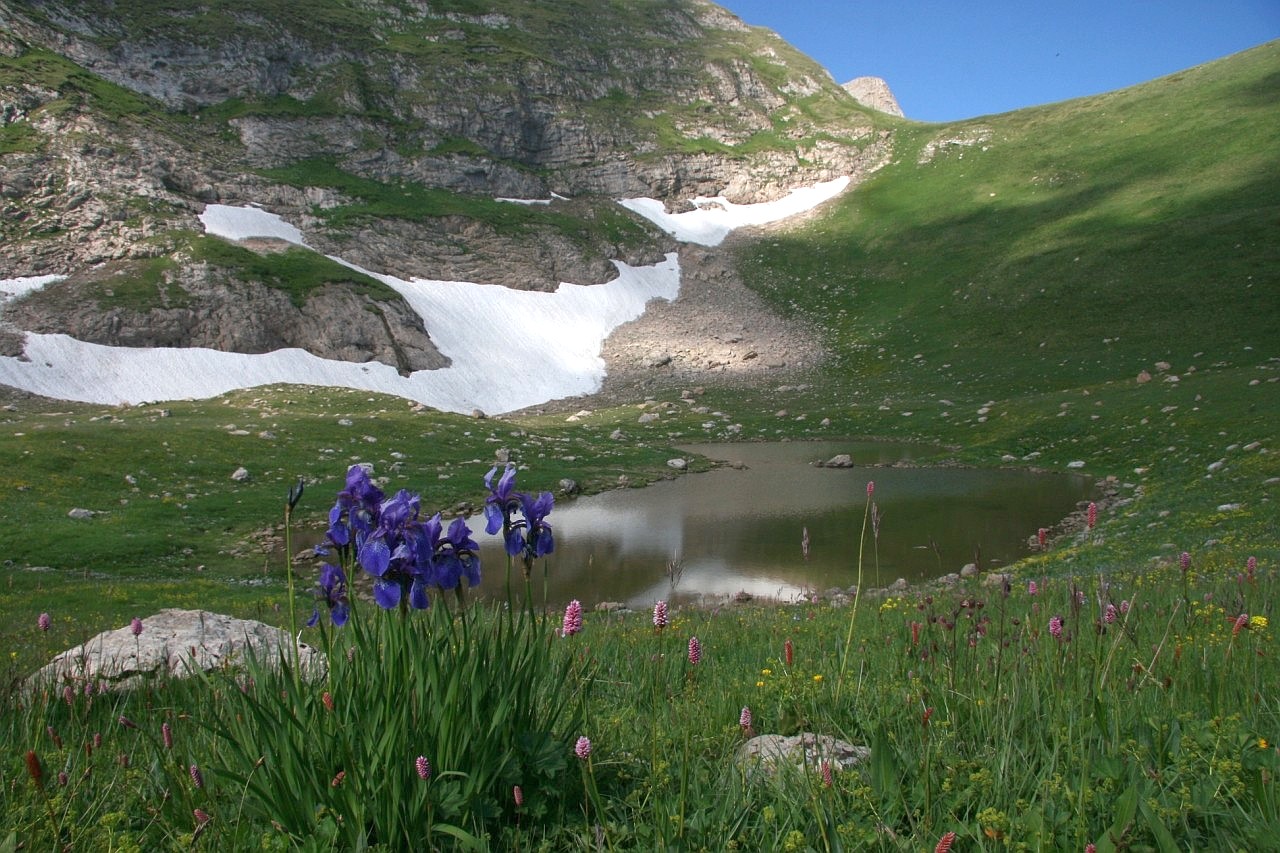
<point>714,218</point>
<point>509,349</point>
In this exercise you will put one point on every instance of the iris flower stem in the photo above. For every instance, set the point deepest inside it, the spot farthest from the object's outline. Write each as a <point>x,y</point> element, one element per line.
<point>293,602</point>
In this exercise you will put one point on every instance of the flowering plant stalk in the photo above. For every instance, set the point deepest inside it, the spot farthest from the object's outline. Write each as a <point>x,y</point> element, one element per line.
<point>857,594</point>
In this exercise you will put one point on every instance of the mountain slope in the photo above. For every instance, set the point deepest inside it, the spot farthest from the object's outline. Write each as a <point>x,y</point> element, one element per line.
<point>1055,247</point>
<point>385,131</point>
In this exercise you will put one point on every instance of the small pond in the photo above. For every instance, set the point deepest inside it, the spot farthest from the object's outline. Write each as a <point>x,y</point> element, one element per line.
<point>739,529</point>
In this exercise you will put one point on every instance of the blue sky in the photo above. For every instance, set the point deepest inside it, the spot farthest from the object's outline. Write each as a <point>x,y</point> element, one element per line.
<point>947,61</point>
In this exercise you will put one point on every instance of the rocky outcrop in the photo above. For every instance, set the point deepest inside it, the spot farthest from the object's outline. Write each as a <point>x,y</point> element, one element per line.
<point>211,309</point>
<point>873,92</point>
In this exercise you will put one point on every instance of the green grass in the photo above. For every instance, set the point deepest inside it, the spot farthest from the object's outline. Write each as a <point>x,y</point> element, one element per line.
<point>1152,727</point>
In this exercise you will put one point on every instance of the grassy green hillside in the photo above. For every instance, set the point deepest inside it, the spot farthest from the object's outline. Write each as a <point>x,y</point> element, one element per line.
<point>1070,245</point>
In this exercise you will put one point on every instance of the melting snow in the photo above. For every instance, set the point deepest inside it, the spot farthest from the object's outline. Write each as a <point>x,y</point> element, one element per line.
<point>715,217</point>
<point>509,349</point>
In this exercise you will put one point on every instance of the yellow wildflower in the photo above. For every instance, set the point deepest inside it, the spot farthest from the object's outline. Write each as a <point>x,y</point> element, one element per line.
<point>766,672</point>
<point>818,679</point>
<point>1258,623</point>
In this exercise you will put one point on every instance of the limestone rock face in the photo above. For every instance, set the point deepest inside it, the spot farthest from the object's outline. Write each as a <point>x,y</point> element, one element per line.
<point>172,644</point>
<point>383,131</point>
<point>873,92</point>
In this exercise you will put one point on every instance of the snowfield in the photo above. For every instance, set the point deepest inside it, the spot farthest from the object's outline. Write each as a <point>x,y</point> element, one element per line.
<point>509,349</point>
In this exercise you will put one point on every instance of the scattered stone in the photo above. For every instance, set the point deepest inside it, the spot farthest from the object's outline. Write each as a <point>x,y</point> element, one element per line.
<point>80,513</point>
<point>610,606</point>
<point>647,418</point>
<point>1228,507</point>
<point>659,361</point>
<point>949,580</point>
<point>478,414</point>
<point>502,455</point>
<point>569,486</point>
<point>577,416</point>
<point>173,643</point>
<point>968,570</point>
<point>616,435</point>
<point>1215,467</point>
<point>900,585</point>
<point>1162,366</point>
<point>742,596</point>
<point>997,579</point>
<point>1144,377</point>
<point>825,422</point>
<point>678,464</point>
<point>1008,458</point>
<point>840,460</point>
<point>1076,463</point>
<point>765,755</point>
<point>1252,446</point>
<point>781,413</point>
<point>240,475</point>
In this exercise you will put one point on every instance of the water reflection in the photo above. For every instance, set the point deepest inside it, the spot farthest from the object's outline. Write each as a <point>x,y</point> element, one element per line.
<point>739,530</point>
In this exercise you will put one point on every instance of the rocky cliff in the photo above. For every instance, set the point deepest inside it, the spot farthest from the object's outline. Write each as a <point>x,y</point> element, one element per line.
<point>384,129</point>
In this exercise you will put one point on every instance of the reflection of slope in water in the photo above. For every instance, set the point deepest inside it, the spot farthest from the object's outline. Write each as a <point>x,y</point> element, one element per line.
<point>737,530</point>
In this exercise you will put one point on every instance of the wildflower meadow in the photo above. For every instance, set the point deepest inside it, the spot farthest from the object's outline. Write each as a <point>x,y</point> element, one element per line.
<point>1129,709</point>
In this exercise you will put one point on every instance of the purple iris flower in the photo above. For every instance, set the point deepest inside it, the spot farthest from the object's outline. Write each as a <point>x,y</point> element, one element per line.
<point>538,539</point>
<point>356,509</point>
<point>457,556</point>
<point>502,501</point>
<point>529,535</point>
<point>331,588</point>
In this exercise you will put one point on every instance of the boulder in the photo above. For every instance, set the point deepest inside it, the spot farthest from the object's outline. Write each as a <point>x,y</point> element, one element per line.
<point>172,644</point>
<point>764,755</point>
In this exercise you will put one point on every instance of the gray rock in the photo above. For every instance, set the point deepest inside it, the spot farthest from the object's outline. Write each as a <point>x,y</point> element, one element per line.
<point>569,486</point>
<point>968,570</point>
<point>240,475</point>
<point>900,585</point>
<point>840,460</point>
<point>763,756</point>
<point>647,418</point>
<point>174,644</point>
<point>81,513</point>
<point>875,93</point>
<point>678,464</point>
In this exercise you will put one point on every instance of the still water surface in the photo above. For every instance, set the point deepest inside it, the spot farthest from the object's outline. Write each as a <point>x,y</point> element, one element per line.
<point>739,530</point>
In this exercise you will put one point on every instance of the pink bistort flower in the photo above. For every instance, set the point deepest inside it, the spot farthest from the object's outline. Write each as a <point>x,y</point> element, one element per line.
<point>572,619</point>
<point>1055,627</point>
<point>695,651</point>
<point>660,615</point>
<point>423,766</point>
<point>582,748</point>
